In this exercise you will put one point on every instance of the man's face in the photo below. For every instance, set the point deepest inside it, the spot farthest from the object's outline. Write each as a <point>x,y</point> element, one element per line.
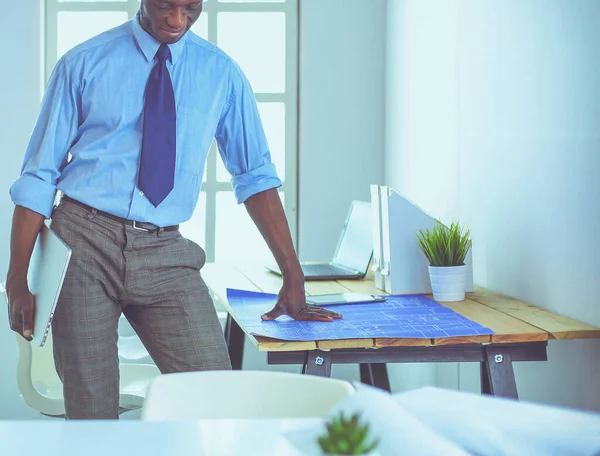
<point>168,20</point>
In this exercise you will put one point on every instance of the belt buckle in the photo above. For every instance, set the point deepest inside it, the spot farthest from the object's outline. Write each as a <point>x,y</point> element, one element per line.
<point>139,228</point>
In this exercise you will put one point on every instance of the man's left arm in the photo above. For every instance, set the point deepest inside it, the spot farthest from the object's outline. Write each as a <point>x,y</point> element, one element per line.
<point>245,153</point>
<point>266,211</point>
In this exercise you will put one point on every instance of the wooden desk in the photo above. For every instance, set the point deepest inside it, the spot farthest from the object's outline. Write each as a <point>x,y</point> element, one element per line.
<point>521,333</point>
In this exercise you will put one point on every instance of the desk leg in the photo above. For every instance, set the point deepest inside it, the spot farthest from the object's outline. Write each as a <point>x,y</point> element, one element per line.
<point>375,374</point>
<point>234,336</point>
<point>318,363</point>
<point>485,379</point>
<point>500,374</point>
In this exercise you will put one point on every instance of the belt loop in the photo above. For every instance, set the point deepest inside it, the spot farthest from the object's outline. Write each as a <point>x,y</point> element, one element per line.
<point>93,212</point>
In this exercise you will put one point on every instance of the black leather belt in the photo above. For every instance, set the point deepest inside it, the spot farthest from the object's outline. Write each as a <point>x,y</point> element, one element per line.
<point>140,226</point>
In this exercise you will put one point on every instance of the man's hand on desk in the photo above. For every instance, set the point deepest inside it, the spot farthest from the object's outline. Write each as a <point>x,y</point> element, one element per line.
<point>266,211</point>
<point>291,301</point>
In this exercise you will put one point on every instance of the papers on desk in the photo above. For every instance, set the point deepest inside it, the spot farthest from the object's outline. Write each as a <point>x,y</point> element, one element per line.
<point>409,316</point>
<point>433,421</point>
<point>487,425</point>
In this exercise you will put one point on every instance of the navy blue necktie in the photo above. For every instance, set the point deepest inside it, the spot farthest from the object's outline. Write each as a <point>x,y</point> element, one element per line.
<point>157,163</point>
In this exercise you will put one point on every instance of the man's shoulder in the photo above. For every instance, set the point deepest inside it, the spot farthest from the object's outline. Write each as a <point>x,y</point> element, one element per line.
<point>200,45</point>
<point>104,39</point>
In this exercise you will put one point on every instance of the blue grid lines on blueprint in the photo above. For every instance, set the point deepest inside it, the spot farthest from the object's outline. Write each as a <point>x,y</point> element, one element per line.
<point>406,316</point>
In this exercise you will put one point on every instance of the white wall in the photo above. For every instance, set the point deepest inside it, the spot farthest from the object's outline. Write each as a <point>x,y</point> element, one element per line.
<point>342,99</point>
<point>493,111</point>
<point>19,102</point>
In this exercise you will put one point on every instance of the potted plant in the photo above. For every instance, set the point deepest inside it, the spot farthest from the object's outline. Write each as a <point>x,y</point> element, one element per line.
<point>347,435</point>
<point>446,249</point>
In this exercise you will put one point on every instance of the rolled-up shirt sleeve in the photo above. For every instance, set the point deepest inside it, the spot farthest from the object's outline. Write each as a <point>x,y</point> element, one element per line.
<point>52,137</point>
<point>242,142</point>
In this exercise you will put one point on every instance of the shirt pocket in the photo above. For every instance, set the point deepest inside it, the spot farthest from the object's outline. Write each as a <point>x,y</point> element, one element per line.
<point>195,133</point>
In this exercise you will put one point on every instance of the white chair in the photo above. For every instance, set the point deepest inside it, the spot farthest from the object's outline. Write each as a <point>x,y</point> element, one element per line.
<point>241,394</point>
<point>42,390</point>
<point>37,379</point>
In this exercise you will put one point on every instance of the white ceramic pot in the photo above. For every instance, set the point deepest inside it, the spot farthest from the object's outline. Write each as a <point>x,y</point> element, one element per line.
<point>448,282</point>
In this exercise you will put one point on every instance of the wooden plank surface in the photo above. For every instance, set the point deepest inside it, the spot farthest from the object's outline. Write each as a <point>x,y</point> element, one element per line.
<point>506,328</point>
<point>268,344</point>
<point>402,342</point>
<point>361,286</point>
<point>511,320</point>
<point>318,287</point>
<point>261,277</point>
<point>220,276</point>
<point>559,326</point>
<point>457,340</point>
<point>345,343</point>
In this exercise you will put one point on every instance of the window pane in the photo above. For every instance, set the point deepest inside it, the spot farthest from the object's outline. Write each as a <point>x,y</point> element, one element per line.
<point>200,28</point>
<point>273,119</point>
<point>237,237</point>
<point>195,228</point>
<point>256,41</point>
<point>76,27</point>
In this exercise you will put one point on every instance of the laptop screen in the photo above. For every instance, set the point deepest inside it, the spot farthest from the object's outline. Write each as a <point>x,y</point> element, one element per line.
<point>355,246</point>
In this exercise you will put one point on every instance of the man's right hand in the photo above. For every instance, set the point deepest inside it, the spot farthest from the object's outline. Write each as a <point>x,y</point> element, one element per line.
<point>21,307</point>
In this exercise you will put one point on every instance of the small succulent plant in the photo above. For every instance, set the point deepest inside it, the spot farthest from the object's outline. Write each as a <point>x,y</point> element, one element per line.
<point>347,435</point>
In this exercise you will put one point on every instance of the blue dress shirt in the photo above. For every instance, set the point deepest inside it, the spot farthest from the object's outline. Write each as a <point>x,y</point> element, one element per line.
<point>88,137</point>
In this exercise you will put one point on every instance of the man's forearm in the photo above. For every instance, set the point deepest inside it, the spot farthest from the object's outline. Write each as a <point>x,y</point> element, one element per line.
<point>267,212</point>
<point>26,225</point>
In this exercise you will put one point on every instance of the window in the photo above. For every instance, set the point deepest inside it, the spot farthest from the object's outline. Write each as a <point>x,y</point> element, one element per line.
<point>262,37</point>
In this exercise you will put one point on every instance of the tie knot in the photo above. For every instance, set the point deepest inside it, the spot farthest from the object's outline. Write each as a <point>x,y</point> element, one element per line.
<point>163,53</point>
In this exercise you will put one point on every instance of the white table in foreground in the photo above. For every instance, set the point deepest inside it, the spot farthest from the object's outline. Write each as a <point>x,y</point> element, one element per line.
<point>130,438</point>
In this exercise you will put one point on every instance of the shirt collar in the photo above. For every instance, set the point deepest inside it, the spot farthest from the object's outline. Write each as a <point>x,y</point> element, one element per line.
<point>149,45</point>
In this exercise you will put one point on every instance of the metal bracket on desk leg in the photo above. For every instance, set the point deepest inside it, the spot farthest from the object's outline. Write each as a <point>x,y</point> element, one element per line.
<point>318,363</point>
<point>500,373</point>
<point>375,374</point>
<point>234,337</point>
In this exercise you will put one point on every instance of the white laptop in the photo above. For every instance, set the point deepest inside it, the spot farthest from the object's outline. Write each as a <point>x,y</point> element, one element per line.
<point>354,250</point>
<point>47,270</point>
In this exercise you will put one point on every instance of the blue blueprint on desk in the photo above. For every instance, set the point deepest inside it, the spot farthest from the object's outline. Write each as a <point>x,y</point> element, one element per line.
<point>406,316</point>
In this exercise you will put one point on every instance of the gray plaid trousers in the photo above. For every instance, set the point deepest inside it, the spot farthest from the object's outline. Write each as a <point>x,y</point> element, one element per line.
<point>155,281</point>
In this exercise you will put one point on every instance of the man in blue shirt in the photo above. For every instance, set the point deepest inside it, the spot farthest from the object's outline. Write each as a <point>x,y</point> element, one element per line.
<point>124,130</point>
